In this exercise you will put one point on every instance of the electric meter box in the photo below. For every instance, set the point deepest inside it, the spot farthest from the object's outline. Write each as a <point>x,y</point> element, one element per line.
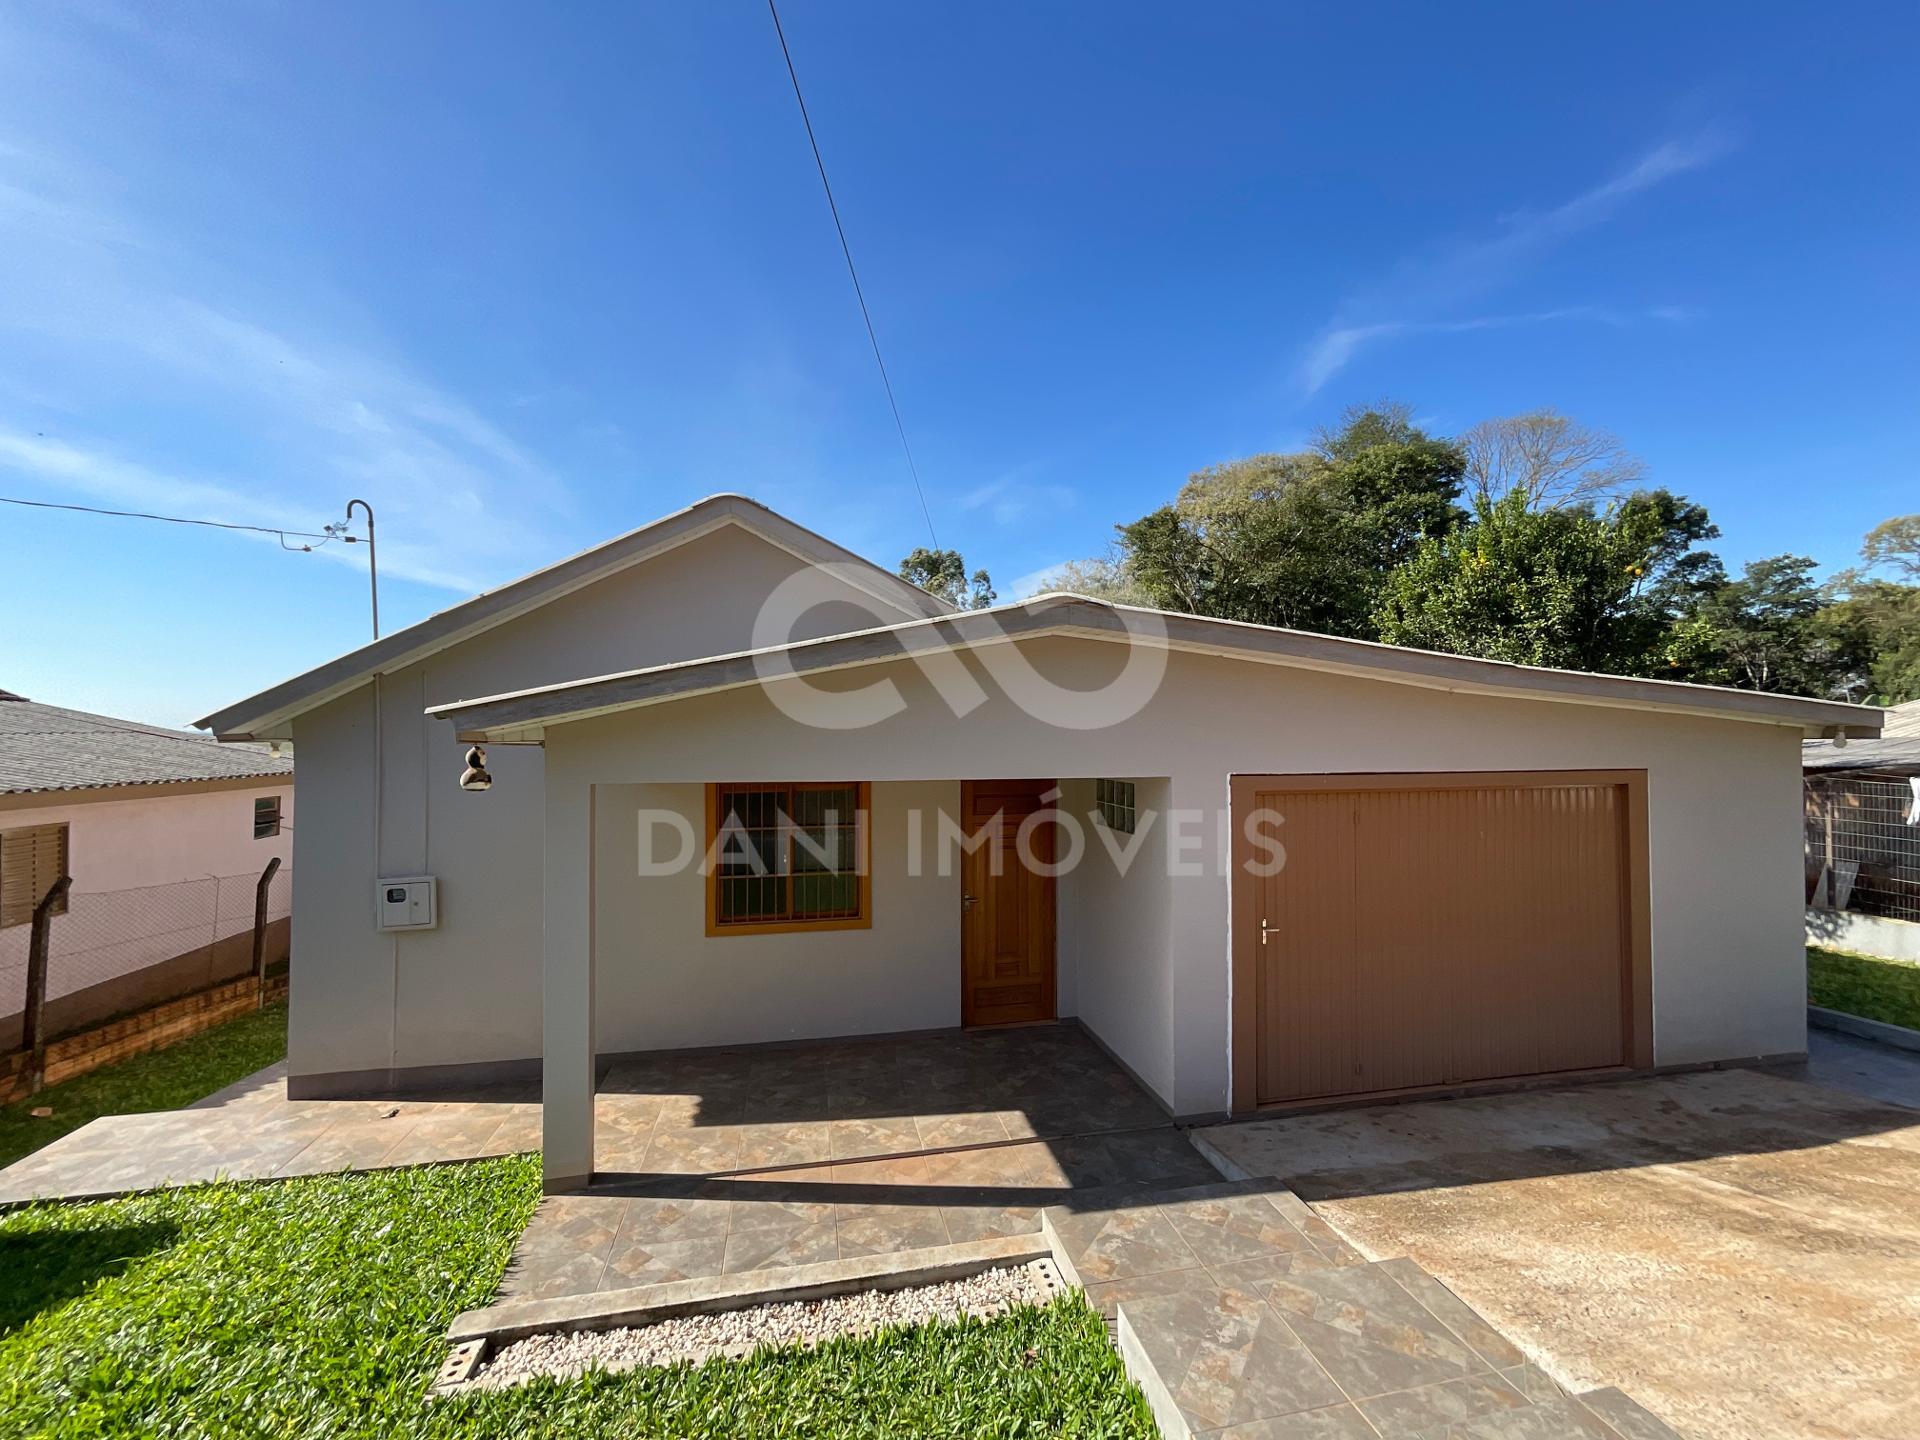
<point>407,902</point>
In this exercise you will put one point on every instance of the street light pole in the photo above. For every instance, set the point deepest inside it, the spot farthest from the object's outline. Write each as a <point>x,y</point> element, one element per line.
<point>373,569</point>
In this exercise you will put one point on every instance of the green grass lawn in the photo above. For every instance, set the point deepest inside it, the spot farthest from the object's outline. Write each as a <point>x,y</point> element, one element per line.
<point>1878,989</point>
<point>161,1080</point>
<point>318,1308</point>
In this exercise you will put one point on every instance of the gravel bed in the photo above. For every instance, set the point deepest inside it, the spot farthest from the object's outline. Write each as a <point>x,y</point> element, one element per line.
<point>738,1333</point>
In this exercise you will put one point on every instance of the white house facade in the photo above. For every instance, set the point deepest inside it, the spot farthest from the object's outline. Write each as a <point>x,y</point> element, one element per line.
<point>747,788</point>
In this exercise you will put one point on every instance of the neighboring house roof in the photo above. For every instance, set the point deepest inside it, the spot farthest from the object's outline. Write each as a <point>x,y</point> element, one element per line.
<point>50,748</point>
<point>1897,749</point>
<point>522,715</point>
<point>261,714</point>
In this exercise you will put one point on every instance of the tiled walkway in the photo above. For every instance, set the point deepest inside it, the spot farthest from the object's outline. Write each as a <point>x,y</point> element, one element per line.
<point>720,1164</point>
<point>1739,1251</point>
<point>251,1131</point>
<point>1242,1314</point>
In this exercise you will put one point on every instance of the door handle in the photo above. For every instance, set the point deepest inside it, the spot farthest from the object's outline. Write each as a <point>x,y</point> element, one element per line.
<point>1266,929</point>
<point>969,899</point>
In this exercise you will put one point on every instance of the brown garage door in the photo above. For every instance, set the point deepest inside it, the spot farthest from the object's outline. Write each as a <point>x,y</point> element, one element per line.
<point>1434,930</point>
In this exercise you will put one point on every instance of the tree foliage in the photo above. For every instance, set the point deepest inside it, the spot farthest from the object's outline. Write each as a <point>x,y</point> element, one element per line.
<point>1551,459</point>
<point>1879,619</point>
<point>1560,561</point>
<point>1536,587</point>
<point>944,573</point>
<point>1303,540</point>
<point>1764,631</point>
<point>1105,578</point>
<point>1895,543</point>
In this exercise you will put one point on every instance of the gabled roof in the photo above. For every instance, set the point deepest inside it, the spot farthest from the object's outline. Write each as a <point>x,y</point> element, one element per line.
<point>262,714</point>
<point>49,748</point>
<point>525,715</point>
<point>1897,749</point>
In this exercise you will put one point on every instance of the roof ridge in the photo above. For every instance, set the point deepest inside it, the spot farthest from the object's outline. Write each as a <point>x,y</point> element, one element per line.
<point>506,601</point>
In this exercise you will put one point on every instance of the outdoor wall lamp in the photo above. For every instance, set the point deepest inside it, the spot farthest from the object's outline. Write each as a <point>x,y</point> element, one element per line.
<point>475,776</point>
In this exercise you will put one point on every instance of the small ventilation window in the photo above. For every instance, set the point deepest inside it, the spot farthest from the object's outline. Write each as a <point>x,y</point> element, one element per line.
<point>1115,800</point>
<point>266,818</point>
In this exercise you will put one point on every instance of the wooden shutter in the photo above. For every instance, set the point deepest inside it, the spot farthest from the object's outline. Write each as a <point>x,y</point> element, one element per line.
<point>31,859</point>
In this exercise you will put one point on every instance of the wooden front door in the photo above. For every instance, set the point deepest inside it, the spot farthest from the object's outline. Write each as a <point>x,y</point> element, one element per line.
<point>1006,908</point>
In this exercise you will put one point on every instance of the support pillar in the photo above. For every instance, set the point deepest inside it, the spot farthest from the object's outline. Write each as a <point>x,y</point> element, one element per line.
<point>568,1049</point>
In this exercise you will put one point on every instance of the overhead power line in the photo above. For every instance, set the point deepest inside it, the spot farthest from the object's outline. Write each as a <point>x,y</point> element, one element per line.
<point>177,520</point>
<point>852,272</point>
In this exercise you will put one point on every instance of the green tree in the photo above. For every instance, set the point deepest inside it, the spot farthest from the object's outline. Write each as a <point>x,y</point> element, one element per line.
<point>1876,624</point>
<point>1671,583</point>
<point>1562,587</point>
<point>1895,542</point>
<point>1878,620</point>
<point>1303,540</point>
<point>1768,630</point>
<point>944,573</point>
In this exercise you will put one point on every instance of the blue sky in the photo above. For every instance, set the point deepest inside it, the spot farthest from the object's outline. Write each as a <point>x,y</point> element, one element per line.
<point>527,276</point>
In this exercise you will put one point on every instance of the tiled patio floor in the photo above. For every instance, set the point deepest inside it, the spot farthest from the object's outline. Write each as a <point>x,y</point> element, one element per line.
<point>768,1118</point>
<point>722,1163</point>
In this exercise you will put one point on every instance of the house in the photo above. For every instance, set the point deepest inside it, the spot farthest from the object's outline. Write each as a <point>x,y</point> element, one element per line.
<point>740,776</point>
<point>1894,756</point>
<point>1863,839</point>
<point>163,833</point>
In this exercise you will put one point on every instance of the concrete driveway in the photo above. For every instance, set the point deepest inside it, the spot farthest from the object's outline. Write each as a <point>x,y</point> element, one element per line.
<point>1738,1251</point>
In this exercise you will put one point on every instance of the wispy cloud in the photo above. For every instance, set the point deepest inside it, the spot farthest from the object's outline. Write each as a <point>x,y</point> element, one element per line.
<point>1035,582</point>
<point>289,414</point>
<point>1014,497</point>
<point>112,481</point>
<point>1336,347</point>
<point>1420,292</point>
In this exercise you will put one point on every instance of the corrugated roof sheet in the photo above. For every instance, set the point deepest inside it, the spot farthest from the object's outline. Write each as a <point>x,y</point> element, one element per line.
<point>48,748</point>
<point>1897,749</point>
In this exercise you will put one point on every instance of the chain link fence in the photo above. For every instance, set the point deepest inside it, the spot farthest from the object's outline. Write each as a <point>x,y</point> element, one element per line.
<point>1863,846</point>
<point>118,951</point>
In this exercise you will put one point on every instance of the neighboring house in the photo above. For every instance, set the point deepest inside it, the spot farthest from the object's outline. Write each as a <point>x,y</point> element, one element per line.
<point>163,833</point>
<point>1895,755</point>
<point>1489,871</point>
<point>1863,838</point>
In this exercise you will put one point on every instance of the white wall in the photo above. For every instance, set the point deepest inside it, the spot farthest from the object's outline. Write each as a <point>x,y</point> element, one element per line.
<point>664,982</point>
<point>1723,814</point>
<point>1117,932</point>
<point>470,990</point>
<point>1864,934</point>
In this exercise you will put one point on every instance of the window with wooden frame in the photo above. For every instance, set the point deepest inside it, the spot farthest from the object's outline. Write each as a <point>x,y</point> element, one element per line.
<point>782,858</point>
<point>32,857</point>
<point>266,817</point>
